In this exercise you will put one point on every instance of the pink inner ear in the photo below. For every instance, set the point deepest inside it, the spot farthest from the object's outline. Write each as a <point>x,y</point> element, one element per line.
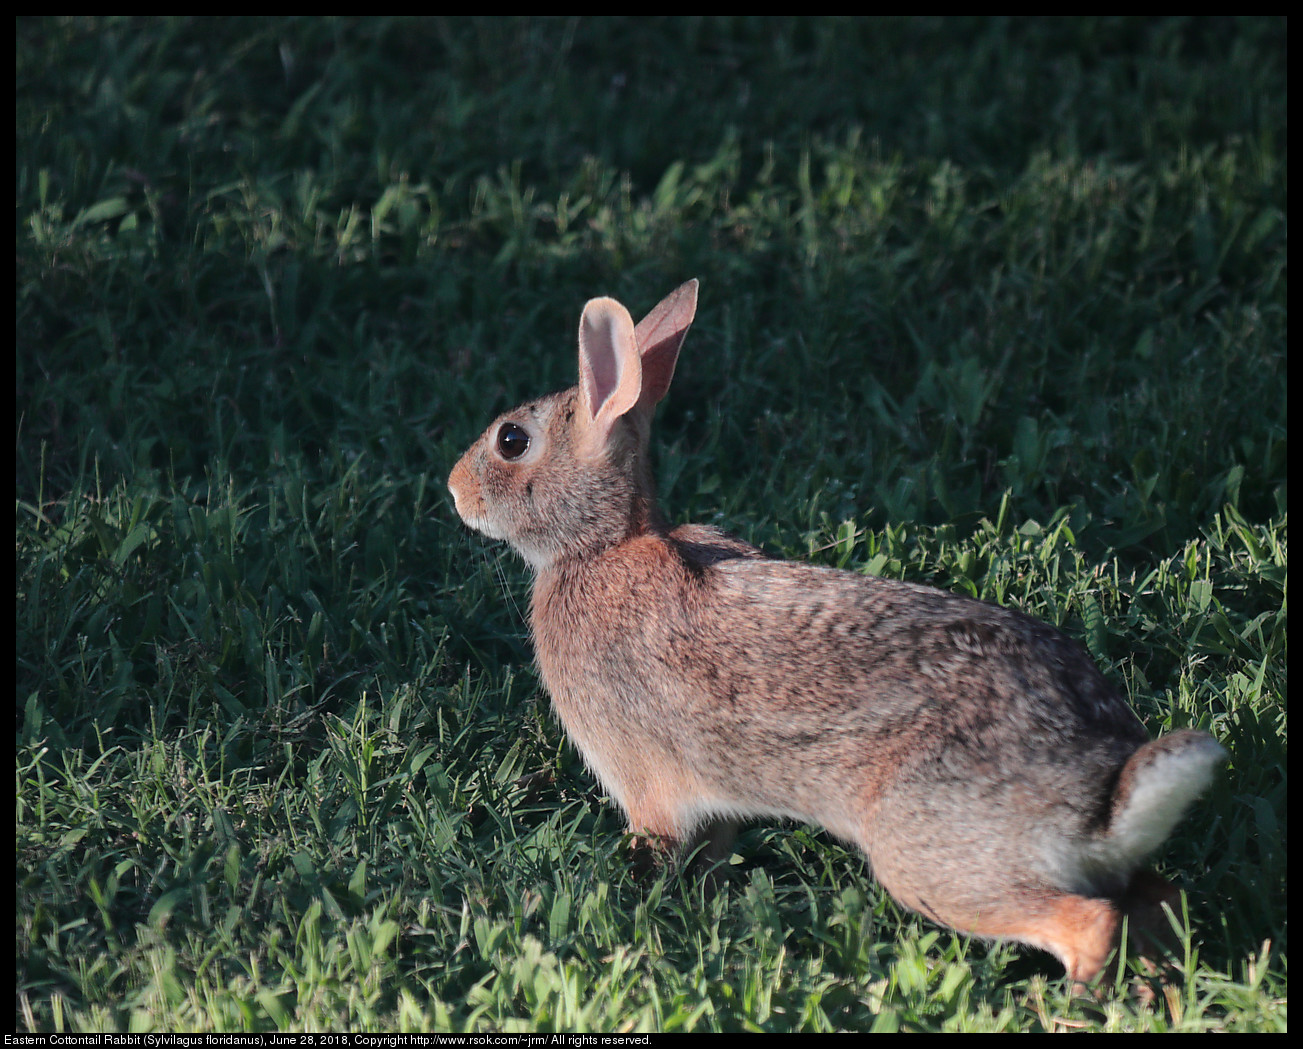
<point>609,369</point>
<point>602,367</point>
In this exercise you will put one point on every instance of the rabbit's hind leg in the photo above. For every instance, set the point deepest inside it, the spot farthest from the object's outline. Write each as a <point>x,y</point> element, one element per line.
<point>1081,931</point>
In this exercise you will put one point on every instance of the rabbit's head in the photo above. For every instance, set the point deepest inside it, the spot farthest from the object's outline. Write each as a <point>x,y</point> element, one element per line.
<point>567,475</point>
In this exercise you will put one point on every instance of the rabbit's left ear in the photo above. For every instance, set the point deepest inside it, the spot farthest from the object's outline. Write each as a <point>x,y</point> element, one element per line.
<point>610,370</point>
<point>660,336</point>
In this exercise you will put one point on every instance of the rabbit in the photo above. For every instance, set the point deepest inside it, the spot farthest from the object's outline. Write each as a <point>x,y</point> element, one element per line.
<point>993,778</point>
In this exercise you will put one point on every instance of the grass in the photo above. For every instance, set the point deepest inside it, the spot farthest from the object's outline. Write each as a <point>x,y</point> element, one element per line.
<point>997,305</point>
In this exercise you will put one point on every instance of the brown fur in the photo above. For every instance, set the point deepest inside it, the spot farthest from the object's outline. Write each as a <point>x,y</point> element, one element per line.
<point>995,780</point>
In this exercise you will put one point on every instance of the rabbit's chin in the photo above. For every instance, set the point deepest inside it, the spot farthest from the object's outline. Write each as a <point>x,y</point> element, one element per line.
<point>538,557</point>
<point>484,526</point>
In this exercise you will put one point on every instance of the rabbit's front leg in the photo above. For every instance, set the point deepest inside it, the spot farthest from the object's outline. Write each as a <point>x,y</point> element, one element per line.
<point>656,841</point>
<point>711,852</point>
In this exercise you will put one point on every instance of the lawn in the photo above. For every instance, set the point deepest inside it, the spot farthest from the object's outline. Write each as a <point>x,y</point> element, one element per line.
<point>997,305</point>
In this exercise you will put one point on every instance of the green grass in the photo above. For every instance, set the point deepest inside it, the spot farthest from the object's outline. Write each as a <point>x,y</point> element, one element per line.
<point>997,305</point>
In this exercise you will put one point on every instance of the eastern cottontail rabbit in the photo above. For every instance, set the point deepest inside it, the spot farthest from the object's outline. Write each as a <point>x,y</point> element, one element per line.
<point>997,783</point>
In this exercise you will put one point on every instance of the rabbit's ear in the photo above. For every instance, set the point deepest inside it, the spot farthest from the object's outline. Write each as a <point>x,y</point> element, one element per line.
<point>659,336</point>
<point>610,371</point>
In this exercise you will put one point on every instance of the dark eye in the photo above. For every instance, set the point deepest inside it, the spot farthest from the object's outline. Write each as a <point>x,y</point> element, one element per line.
<point>512,441</point>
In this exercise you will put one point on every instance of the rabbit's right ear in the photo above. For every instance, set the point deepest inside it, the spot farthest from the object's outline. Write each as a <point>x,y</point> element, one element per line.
<point>660,336</point>
<point>610,370</point>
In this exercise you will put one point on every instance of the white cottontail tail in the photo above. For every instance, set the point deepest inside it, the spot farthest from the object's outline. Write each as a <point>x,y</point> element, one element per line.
<point>996,782</point>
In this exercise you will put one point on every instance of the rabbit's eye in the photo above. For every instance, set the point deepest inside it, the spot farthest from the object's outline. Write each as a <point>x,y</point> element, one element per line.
<point>512,441</point>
